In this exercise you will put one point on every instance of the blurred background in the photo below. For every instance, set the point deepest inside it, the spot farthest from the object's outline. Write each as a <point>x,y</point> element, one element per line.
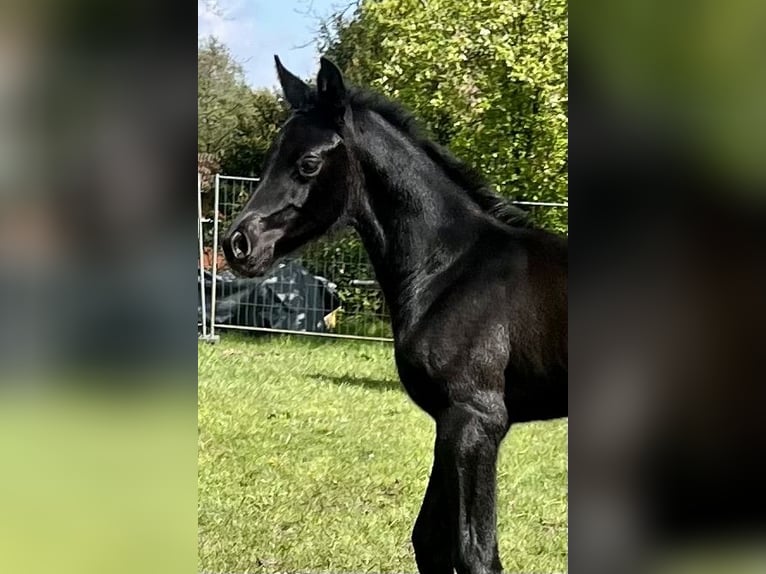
<point>97,344</point>
<point>667,134</point>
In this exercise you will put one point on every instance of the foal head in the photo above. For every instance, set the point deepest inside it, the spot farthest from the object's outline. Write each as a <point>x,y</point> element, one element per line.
<point>307,178</point>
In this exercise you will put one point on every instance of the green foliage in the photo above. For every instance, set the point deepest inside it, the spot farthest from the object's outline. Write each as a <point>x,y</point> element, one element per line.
<point>488,79</point>
<point>263,115</point>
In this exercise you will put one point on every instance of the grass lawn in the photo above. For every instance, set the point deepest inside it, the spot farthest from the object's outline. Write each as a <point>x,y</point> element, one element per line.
<point>312,459</point>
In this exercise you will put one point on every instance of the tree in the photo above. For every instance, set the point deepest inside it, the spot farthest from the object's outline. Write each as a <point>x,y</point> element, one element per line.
<point>488,79</point>
<point>221,90</point>
<point>262,114</point>
<point>236,124</point>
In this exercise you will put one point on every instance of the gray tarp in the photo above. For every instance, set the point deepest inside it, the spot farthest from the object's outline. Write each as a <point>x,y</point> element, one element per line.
<point>287,297</point>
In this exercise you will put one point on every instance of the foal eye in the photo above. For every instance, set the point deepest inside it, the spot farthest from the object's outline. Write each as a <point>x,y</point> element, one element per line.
<point>309,166</point>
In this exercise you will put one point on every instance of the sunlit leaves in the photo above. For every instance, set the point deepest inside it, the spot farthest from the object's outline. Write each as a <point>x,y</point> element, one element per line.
<point>489,79</point>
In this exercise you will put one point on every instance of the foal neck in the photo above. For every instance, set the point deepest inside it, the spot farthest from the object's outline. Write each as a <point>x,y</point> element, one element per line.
<point>413,219</point>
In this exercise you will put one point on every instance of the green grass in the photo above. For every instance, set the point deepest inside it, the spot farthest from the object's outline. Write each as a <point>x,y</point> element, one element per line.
<point>311,458</point>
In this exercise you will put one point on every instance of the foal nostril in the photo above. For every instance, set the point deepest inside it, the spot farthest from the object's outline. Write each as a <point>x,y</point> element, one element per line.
<point>240,245</point>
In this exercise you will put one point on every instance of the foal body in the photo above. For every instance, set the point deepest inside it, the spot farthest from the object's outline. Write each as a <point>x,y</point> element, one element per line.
<point>479,314</point>
<point>477,300</point>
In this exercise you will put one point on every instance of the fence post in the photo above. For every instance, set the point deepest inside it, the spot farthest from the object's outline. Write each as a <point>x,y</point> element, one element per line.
<point>214,265</point>
<point>200,237</point>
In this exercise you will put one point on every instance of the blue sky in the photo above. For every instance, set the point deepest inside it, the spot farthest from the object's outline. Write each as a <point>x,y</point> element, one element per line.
<point>255,30</point>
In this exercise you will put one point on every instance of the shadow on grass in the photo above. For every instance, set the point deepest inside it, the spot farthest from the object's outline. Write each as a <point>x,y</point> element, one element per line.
<point>364,382</point>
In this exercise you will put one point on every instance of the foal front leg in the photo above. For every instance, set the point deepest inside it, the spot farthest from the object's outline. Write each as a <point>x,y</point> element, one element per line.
<point>432,535</point>
<point>468,438</point>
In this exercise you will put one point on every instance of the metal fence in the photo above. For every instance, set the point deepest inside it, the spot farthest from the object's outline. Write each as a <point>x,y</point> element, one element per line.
<point>338,294</point>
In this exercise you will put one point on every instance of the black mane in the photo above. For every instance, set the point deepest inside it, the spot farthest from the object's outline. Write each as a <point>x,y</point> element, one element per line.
<point>463,175</point>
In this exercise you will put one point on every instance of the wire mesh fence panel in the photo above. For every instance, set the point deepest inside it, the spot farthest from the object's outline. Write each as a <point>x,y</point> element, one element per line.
<point>342,260</point>
<point>326,289</point>
<point>235,305</point>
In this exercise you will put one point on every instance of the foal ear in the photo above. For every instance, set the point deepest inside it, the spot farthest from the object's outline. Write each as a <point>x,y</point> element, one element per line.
<point>297,92</point>
<point>331,89</point>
